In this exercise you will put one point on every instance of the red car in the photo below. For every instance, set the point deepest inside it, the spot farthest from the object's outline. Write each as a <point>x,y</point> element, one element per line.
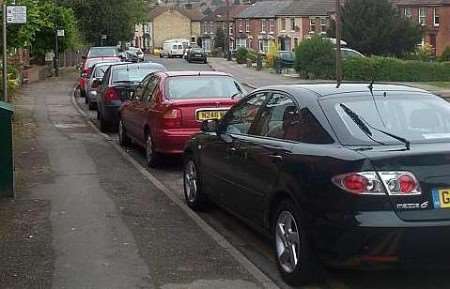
<point>169,107</point>
<point>87,68</point>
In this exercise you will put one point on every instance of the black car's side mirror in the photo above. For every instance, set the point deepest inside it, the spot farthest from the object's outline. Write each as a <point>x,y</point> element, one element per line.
<point>210,125</point>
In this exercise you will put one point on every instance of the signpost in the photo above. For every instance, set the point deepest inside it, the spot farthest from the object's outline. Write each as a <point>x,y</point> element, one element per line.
<point>14,15</point>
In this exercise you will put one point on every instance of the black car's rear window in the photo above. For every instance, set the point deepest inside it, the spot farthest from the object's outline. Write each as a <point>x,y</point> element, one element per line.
<point>134,73</point>
<point>203,86</point>
<point>416,117</point>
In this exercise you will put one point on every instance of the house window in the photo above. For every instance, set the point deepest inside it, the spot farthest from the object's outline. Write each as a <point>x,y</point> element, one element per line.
<point>272,25</point>
<point>407,12</point>
<point>295,42</point>
<point>323,24</point>
<point>435,17</point>
<point>230,28</point>
<point>292,24</point>
<point>283,24</point>
<point>247,25</point>
<point>422,16</point>
<point>241,42</point>
<point>312,25</point>
<point>240,25</point>
<point>263,25</point>
<point>264,45</point>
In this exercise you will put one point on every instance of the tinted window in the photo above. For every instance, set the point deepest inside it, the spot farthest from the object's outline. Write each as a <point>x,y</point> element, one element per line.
<point>413,116</point>
<point>189,87</point>
<point>281,118</point>
<point>103,51</point>
<point>148,93</point>
<point>240,118</point>
<point>100,71</point>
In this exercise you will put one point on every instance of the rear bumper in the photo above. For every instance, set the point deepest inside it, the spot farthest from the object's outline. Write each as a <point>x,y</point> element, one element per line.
<point>381,238</point>
<point>197,58</point>
<point>173,141</point>
<point>111,112</point>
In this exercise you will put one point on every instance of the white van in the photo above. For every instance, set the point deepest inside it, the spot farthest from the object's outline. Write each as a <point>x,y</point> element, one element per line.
<point>172,49</point>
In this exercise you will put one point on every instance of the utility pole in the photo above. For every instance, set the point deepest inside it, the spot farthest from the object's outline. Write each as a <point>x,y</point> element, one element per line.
<point>5,55</point>
<point>56,62</point>
<point>228,51</point>
<point>338,44</point>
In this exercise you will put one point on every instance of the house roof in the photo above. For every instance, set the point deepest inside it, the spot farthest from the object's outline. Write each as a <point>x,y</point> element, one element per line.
<point>309,8</point>
<point>421,2</point>
<point>220,13</point>
<point>264,9</point>
<point>193,14</point>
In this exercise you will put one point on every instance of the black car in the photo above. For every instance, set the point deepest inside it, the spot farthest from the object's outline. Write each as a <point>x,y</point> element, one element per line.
<point>350,175</point>
<point>197,55</point>
<point>118,83</point>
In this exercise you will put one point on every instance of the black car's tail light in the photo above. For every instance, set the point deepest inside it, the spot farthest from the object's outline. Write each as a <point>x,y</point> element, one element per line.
<point>400,183</point>
<point>111,94</point>
<point>377,183</point>
<point>362,183</point>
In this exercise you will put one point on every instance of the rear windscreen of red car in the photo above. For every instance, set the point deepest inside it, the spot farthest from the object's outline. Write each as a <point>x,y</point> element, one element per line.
<point>103,51</point>
<point>188,87</point>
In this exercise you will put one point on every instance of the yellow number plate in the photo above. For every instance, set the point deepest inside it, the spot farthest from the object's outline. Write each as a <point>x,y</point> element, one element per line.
<point>210,114</point>
<point>441,198</point>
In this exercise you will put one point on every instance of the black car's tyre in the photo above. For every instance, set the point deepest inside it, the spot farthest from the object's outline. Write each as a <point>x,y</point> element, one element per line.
<point>206,61</point>
<point>91,105</point>
<point>124,140</point>
<point>86,99</point>
<point>152,157</point>
<point>105,126</point>
<point>82,93</point>
<point>193,191</point>
<point>295,259</point>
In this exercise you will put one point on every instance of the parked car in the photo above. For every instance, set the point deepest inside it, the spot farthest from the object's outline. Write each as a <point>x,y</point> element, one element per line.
<point>118,85</point>
<point>287,58</point>
<point>333,175</point>
<point>168,109</point>
<point>197,55</point>
<point>350,53</point>
<point>95,78</point>
<point>134,54</point>
<point>86,70</point>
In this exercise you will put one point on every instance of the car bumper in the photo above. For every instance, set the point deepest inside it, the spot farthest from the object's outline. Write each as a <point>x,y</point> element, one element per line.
<point>382,238</point>
<point>173,141</point>
<point>197,58</point>
<point>110,113</point>
<point>92,96</point>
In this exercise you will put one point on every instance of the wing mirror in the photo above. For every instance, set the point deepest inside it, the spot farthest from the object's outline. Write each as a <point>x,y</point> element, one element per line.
<point>210,125</point>
<point>96,83</point>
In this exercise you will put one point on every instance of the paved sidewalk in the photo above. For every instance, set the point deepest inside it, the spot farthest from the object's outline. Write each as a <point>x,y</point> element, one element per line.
<point>104,225</point>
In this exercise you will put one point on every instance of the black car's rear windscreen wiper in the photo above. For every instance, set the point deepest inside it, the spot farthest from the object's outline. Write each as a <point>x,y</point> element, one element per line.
<point>364,126</point>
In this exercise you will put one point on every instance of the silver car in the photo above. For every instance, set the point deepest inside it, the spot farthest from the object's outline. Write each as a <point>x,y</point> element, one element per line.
<point>91,88</point>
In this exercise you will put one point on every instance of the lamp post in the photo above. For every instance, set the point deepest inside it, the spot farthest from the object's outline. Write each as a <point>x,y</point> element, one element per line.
<point>228,51</point>
<point>338,44</point>
<point>5,54</point>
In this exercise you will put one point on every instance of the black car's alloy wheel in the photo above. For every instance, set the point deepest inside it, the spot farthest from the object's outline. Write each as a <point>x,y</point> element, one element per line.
<point>124,140</point>
<point>104,125</point>
<point>294,257</point>
<point>193,194</point>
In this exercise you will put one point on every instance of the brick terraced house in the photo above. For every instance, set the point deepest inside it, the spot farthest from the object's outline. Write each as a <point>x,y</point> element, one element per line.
<point>434,16</point>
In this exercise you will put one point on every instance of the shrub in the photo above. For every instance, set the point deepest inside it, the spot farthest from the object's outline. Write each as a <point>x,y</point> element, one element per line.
<point>241,55</point>
<point>272,54</point>
<point>252,55</point>
<point>315,58</point>
<point>445,56</point>
<point>394,69</point>
<point>424,53</point>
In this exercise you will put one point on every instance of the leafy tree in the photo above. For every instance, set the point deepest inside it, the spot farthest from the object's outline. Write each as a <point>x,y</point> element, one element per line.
<point>113,18</point>
<point>315,58</point>
<point>377,28</point>
<point>445,56</point>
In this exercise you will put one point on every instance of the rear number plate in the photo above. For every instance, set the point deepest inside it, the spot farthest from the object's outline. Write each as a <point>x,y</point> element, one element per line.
<point>210,114</point>
<point>441,198</point>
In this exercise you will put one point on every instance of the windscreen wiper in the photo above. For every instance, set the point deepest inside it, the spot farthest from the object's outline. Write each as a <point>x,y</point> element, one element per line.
<point>364,126</point>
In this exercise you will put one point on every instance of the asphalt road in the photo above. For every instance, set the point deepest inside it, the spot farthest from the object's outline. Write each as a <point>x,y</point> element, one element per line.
<point>257,249</point>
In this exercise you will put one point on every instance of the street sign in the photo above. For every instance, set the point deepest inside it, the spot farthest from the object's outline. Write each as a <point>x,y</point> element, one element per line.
<point>16,14</point>
<point>60,33</point>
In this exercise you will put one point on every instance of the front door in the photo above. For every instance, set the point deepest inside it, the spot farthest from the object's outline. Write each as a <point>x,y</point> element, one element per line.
<point>220,156</point>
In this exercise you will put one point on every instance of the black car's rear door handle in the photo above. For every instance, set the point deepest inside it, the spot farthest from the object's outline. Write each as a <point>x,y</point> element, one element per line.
<point>276,157</point>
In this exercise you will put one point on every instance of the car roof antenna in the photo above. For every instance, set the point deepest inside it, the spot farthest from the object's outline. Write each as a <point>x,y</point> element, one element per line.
<point>371,86</point>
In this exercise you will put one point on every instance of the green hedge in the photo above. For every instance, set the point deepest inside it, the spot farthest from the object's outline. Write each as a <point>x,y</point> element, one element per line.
<point>393,69</point>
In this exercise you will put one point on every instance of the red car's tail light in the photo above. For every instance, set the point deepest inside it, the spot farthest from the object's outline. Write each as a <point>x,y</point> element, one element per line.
<point>86,72</point>
<point>110,95</point>
<point>377,183</point>
<point>172,118</point>
<point>363,183</point>
<point>400,183</point>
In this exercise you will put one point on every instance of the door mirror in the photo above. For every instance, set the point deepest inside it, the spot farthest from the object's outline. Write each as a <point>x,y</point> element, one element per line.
<point>96,83</point>
<point>209,125</point>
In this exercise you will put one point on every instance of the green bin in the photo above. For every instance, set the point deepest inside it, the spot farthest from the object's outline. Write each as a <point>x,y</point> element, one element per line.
<point>6,151</point>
